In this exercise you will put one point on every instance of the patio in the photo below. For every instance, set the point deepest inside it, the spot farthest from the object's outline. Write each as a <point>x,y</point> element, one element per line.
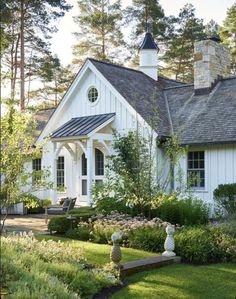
<point>21,223</point>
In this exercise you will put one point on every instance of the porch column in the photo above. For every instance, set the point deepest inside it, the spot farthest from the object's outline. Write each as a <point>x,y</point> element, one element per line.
<point>54,181</point>
<point>89,169</point>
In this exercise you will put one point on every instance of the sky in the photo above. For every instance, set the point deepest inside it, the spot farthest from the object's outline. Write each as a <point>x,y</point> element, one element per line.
<point>63,40</point>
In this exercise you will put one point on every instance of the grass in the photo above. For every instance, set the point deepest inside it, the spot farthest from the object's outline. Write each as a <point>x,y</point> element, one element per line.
<point>98,254</point>
<point>183,282</point>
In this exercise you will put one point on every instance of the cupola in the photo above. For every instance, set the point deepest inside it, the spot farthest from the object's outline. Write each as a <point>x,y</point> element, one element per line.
<point>148,60</point>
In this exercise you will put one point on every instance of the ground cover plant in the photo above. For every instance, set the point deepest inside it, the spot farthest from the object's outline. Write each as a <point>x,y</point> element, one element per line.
<point>49,269</point>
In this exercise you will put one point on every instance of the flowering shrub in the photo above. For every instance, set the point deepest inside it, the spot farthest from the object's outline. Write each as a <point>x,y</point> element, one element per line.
<point>100,227</point>
<point>48,269</point>
<point>48,250</point>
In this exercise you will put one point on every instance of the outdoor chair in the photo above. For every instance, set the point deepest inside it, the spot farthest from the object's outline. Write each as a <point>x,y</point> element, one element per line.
<point>68,205</point>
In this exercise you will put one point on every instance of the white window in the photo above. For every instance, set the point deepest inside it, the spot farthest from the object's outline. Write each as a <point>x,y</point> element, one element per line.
<point>61,173</point>
<point>84,175</point>
<point>36,167</point>
<point>99,162</point>
<point>196,169</point>
<point>92,94</point>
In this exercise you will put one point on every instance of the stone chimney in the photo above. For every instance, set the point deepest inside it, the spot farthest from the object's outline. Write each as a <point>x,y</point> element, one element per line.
<point>211,63</point>
<point>148,59</point>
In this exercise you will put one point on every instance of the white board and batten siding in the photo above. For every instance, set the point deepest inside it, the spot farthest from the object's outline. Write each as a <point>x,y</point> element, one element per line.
<point>220,168</point>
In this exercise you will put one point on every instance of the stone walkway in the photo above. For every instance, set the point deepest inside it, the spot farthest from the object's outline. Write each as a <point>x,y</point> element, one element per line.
<point>21,223</point>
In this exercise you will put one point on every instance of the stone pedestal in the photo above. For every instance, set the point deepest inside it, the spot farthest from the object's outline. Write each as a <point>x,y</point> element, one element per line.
<point>169,244</point>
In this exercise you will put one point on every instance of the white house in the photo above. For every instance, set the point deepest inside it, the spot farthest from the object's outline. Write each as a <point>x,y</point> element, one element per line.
<point>104,96</point>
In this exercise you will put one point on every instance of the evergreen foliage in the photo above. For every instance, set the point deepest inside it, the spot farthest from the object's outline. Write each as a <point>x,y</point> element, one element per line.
<point>99,31</point>
<point>228,33</point>
<point>187,29</point>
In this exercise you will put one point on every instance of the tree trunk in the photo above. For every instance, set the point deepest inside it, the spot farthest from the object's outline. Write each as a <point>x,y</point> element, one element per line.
<point>3,221</point>
<point>22,58</point>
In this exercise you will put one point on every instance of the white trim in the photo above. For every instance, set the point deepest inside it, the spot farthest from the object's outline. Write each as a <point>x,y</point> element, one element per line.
<point>101,126</point>
<point>92,104</point>
<point>103,136</point>
<point>87,66</point>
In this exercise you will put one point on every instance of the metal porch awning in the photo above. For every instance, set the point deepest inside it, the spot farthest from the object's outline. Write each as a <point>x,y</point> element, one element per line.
<point>82,126</point>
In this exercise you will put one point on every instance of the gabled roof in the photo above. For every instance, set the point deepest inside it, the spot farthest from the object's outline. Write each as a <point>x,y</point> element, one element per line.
<point>204,119</point>
<point>197,119</point>
<point>148,43</point>
<point>82,126</point>
<point>143,93</point>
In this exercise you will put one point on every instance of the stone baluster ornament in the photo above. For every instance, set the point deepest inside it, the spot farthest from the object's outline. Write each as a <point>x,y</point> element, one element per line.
<point>116,252</point>
<point>169,244</point>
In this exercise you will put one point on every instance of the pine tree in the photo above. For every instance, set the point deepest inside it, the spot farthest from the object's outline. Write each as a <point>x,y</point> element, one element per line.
<point>212,29</point>
<point>99,32</point>
<point>55,79</point>
<point>27,33</point>
<point>180,47</point>
<point>144,15</point>
<point>228,33</point>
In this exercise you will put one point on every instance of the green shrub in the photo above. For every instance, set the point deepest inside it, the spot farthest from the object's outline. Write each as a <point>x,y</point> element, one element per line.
<point>201,245</point>
<point>82,232</point>
<point>63,271</point>
<point>85,284</point>
<point>102,234</point>
<point>82,213</point>
<point>148,238</point>
<point>183,212</point>
<point>225,197</point>
<point>60,224</point>
<point>110,204</point>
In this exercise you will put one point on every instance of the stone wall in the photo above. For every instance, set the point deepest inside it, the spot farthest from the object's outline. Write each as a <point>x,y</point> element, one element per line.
<point>211,62</point>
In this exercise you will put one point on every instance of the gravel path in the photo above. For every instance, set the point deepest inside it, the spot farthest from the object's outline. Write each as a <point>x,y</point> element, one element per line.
<point>21,223</point>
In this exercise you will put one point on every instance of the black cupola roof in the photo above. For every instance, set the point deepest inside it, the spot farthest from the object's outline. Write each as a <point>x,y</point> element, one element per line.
<point>148,42</point>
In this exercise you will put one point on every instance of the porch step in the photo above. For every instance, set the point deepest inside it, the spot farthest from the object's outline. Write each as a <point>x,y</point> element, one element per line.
<point>147,264</point>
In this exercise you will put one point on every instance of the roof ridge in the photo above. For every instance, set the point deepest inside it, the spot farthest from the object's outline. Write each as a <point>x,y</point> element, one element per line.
<point>134,70</point>
<point>228,78</point>
<point>116,65</point>
<point>178,86</point>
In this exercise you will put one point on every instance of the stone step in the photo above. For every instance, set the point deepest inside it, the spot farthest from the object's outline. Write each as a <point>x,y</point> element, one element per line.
<point>147,264</point>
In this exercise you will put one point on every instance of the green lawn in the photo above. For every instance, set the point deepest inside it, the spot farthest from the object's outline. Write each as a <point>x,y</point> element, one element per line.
<point>98,254</point>
<point>182,282</point>
<point>179,281</point>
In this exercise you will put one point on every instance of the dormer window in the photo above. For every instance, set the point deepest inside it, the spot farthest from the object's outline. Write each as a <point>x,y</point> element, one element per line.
<point>92,94</point>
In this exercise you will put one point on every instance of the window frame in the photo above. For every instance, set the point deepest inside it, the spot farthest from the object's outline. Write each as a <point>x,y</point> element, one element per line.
<point>197,169</point>
<point>62,175</point>
<point>35,177</point>
<point>88,92</point>
<point>98,167</point>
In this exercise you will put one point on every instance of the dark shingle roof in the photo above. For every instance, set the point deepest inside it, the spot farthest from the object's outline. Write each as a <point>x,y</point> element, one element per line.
<point>81,126</point>
<point>197,119</point>
<point>143,93</point>
<point>148,42</point>
<point>207,118</point>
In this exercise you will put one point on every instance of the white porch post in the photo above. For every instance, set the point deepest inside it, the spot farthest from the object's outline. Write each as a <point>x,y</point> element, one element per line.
<point>89,169</point>
<point>54,181</point>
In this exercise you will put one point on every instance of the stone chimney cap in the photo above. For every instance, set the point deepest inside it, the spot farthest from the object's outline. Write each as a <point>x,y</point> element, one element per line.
<point>215,39</point>
<point>148,43</point>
